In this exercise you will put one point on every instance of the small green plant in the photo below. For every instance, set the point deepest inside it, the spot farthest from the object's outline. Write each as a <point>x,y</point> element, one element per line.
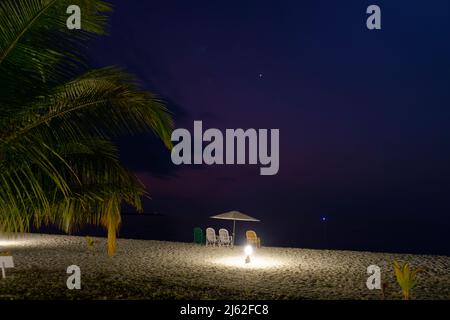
<point>406,277</point>
<point>5,254</point>
<point>90,242</point>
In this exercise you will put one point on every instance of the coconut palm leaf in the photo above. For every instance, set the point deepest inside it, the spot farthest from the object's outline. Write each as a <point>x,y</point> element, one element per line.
<point>57,162</point>
<point>107,101</point>
<point>36,45</point>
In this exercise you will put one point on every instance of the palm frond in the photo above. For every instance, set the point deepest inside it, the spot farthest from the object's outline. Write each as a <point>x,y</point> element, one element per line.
<point>37,47</point>
<point>107,101</point>
<point>57,162</point>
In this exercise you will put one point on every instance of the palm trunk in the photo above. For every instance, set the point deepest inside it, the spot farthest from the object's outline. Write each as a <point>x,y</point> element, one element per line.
<point>112,239</point>
<point>111,221</point>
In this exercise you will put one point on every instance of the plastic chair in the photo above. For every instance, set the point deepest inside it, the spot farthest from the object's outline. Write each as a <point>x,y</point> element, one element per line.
<point>198,236</point>
<point>224,238</point>
<point>211,238</point>
<point>253,239</point>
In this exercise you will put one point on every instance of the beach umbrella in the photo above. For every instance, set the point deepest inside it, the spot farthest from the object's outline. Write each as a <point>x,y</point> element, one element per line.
<point>235,216</point>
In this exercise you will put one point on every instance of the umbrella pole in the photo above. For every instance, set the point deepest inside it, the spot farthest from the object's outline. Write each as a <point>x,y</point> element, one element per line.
<point>234,228</point>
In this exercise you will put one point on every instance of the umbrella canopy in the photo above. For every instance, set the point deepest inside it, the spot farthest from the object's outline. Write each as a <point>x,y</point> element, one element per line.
<point>235,216</point>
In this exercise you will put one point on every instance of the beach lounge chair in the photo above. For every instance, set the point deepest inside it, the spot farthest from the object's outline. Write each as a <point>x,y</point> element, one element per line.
<point>253,239</point>
<point>224,238</point>
<point>199,238</point>
<point>211,238</point>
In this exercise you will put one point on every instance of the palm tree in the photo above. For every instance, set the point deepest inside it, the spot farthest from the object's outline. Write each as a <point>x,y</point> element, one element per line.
<point>58,164</point>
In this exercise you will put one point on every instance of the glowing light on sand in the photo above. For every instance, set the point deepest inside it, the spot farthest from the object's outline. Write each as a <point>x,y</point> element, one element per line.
<point>9,243</point>
<point>248,252</point>
<point>256,263</point>
<point>19,241</point>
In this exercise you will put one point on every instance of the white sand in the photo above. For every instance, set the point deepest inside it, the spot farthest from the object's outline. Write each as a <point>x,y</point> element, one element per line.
<point>154,269</point>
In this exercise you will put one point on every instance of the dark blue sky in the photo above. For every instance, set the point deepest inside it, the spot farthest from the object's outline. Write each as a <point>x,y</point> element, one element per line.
<point>363,115</point>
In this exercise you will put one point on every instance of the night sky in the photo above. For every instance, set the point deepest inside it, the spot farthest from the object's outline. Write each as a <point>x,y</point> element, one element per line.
<point>363,117</point>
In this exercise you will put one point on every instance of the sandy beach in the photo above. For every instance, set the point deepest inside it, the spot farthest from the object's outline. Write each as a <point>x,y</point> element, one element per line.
<point>144,269</point>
